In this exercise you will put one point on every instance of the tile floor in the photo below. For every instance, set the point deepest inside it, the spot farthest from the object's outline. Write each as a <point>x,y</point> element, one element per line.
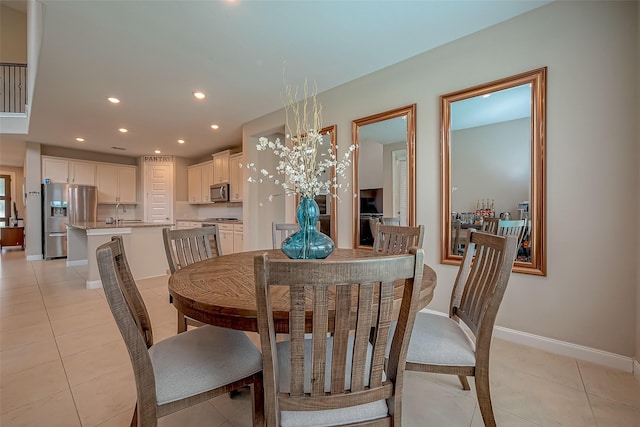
<point>63,363</point>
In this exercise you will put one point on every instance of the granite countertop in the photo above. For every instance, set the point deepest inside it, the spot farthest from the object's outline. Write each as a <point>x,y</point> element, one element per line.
<point>122,224</point>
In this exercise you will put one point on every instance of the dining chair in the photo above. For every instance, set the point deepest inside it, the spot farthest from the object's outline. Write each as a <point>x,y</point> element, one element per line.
<point>184,369</point>
<point>279,232</point>
<point>490,225</point>
<point>395,239</point>
<point>338,376</point>
<point>393,220</point>
<point>439,344</point>
<point>514,227</point>
<point>186,246</point>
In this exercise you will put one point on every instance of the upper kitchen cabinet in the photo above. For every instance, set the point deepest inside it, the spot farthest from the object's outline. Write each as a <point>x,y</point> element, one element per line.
<point>116,183</point>
<point>68,171</point>
<point>199,180</point>
<point>83,173</point>
<point>235,177</point>
<point>57,170</point>
<point>221,166</point>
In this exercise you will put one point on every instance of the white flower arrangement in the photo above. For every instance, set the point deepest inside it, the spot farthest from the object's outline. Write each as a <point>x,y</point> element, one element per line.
<point>305,161</point>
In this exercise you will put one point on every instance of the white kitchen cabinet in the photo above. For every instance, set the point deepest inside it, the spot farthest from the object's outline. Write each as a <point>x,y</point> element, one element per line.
<point>226,238</point>
<point>116,183</point>
<point>68,170</point>
<point>207,180</point>
<point>57,170</point>
<point>238,238</point>
<point>221,166</point>
<point>194,184</point>
<point>83,173</point>
<point>199,180</point>
<point>235,177</point>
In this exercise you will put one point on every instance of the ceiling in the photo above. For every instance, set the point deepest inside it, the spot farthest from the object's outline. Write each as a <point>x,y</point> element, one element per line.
<point>153,55</point>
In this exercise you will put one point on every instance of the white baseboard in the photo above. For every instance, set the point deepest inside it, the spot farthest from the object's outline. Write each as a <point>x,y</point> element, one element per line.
<point>636,368</point>
<point>77,262</point>
<point>34,257</point>
<point>564,348</point>
<point>605,358</point>
<point>94,284</point>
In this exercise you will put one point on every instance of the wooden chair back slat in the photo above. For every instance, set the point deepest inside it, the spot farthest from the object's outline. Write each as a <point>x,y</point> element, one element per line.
<point>395,239</point>
<point>297,318</point>
<point>319,339</point>
<point>340,336</point>
<point>363,291</point>
<point>361,341</point>
<point>381,332</point>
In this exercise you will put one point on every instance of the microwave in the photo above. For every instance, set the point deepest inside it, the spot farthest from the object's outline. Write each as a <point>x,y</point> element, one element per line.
<point>220,192</point>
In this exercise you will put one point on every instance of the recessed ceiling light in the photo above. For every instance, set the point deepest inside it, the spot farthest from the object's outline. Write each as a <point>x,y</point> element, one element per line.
<point>80,139</point>
<point>157,151</point>
<point>486,95</point>
<point>214,126</point>
<point>181,141</point>
<point>113,100</point>
<point>199,95</point>
<point>123,130</point>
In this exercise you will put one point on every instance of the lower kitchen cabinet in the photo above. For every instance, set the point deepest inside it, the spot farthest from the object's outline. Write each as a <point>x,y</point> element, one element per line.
<point>231,238</point>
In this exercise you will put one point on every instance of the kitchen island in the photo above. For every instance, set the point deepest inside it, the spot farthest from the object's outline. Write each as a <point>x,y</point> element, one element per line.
<point>143,246</point>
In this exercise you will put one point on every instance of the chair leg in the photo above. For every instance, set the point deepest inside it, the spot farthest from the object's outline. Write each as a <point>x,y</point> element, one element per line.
<point>464,382</point>
<point>257,399</point>
<point>484,397</point>
<point>182,323</point>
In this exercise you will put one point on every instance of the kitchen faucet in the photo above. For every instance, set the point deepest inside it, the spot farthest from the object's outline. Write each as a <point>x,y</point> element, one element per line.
<point>124,210</point>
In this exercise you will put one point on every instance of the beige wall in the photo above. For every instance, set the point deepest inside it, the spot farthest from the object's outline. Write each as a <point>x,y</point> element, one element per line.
<point>590,49</point>
<point>13,35</point>
<point>491,162</point>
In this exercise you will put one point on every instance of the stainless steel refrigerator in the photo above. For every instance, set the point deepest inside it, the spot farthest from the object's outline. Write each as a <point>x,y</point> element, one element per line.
<point>62,204</point>
<point>83,203</point>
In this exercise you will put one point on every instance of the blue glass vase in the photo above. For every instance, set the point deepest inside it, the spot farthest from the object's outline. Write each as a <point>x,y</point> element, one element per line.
<point>308,242</point>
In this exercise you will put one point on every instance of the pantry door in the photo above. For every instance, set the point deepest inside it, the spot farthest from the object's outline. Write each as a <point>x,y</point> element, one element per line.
<point>158,192</point>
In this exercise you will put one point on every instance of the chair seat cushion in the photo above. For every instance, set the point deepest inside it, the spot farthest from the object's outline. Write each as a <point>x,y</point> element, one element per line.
<point>329,417</point>
<point>439,340</point>
<point>202,359</point>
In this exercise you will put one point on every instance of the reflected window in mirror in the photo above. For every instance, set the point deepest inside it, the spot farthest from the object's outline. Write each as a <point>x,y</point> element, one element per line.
<point>384,172</point>
<point>493,164</point>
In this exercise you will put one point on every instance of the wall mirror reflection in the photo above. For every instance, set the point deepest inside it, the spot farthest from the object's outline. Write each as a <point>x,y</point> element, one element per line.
<point>384,172</point>
<point>493,166</point>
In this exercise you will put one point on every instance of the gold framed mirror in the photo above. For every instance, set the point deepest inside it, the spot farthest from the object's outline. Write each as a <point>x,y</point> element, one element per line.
<point>493,164</point>
<point>384,163</point>
<point>327,203</point>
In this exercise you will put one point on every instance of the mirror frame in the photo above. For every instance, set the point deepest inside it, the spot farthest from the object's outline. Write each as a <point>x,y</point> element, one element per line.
<point>410,112</point>
<point>537,79</point>
<point>333,212</point>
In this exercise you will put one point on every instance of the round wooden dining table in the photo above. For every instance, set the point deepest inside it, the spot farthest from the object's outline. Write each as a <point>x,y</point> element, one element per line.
<point>220,291</point>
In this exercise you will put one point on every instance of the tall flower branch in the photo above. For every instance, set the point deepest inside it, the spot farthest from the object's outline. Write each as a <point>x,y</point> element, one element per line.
<point>303,162</point>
